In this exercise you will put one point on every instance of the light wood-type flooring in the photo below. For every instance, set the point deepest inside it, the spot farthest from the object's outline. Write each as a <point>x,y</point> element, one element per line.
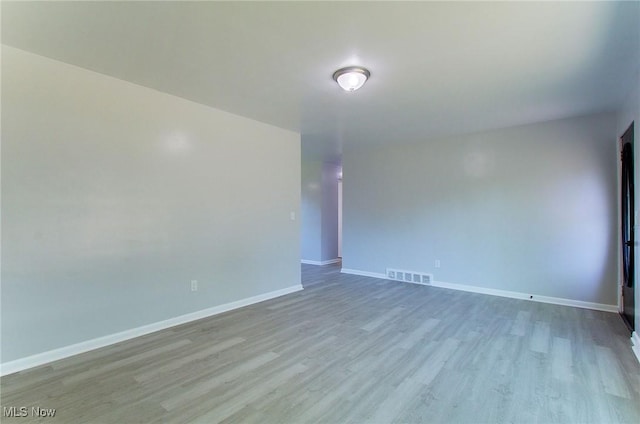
<point>353,349</point>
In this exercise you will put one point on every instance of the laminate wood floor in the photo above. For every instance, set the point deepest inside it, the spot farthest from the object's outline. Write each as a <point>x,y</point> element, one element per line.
<point>353,349</point>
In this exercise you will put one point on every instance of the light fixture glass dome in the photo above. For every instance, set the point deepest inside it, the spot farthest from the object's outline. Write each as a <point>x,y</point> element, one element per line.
<point>351,78</point>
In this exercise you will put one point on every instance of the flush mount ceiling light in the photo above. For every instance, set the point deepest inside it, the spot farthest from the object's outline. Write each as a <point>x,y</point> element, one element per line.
<point>351,78</point>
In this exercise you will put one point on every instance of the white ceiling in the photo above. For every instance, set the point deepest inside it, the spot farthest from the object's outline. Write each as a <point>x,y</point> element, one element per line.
<point>436,68</point>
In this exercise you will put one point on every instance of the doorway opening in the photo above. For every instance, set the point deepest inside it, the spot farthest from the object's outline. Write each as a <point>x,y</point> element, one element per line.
<point>340,214</point>
<point>627,229</point>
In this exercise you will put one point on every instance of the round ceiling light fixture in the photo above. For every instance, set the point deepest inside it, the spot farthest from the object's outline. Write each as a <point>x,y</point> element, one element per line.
<point>351,78</point>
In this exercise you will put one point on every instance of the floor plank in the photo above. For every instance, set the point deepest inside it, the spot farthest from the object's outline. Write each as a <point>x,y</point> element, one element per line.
<point>353,349</point>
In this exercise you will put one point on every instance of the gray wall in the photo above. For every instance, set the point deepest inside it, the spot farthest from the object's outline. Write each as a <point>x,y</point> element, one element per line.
<point>311,211</point>
<point>115,196</point>
<point>630,112</point>
<point>531,209</point>
<point>319,220</point>
<point>329,211</point>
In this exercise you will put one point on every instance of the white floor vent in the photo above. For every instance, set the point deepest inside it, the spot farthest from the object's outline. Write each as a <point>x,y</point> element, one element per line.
<point>409,276</point>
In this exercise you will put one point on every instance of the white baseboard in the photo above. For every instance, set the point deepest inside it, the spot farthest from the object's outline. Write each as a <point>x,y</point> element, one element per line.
<point>502,293</point>
<point>82,347</point>
<point>363,273</point>
<point>635,344</point>
<point>330,261</point>
<point>526,296</point>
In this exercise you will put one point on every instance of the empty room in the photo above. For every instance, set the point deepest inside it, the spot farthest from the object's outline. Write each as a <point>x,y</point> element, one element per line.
<point>319,212</point>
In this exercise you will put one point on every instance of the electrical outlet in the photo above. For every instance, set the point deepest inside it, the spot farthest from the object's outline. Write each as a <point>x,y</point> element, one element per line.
<point>437,263</point>
<point>194,285</point>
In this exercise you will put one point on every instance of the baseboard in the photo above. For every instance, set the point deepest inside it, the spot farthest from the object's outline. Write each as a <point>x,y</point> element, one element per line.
<point>329,262</point>
<point>362,273</point>
<point>527,296</point>
<point>86,346</point>
<point>635,344</point>
<point>502,293</point>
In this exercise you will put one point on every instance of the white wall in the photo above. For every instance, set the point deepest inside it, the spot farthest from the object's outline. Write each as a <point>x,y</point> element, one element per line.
<point>630,112</point>
<point>530,209</point>
<point>116,196</point>
<point>319,220</point>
